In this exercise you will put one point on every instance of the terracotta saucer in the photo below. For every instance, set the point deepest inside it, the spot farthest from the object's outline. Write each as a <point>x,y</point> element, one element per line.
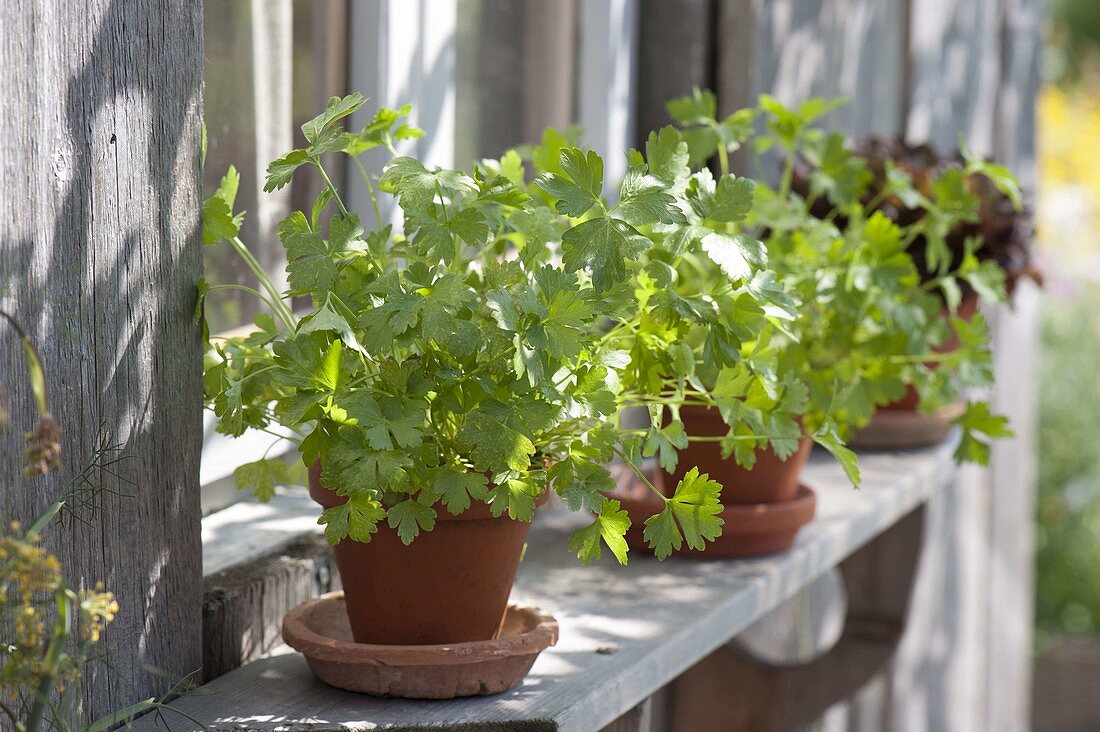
<point>899,429</point>
<point>319,629</point>
<point>748,530</point>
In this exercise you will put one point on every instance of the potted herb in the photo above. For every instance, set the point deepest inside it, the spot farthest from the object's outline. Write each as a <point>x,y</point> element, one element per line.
<point>709,313</point>
<point>962,222</point>
<point>443,376</point>
<point>879,327</point>
<point>860,324</point>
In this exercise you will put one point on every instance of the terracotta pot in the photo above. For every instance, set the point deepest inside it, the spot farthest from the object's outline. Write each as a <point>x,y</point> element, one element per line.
<point>968,308</point>
<point>771,479</point>
<point>450,585</point>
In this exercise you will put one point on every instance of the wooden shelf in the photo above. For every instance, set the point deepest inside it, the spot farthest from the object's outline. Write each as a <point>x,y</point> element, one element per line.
<point>625,631</point>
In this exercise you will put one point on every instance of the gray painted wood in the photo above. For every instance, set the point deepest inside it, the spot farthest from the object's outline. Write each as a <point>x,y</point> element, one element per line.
<point>625,631</point>
<point>99,234</point>
<point>243,607</point>
<point>800,49</point>
<point>506,112</point>
<point>250,530</point>
<point>797,49</point>
<point>734,688</point>
<point>954,71</point>
<point>675,53</point>
<point>1014,464</point>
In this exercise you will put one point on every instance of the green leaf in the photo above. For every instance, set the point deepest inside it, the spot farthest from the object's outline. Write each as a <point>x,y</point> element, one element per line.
<point>667,155</point>
<point>280,171</point>
<point>323,128</point>
<point>409,517</point>
<point>350,470</point>
<point>380,131</point>
<point>738,255</point>
<point>643,200</point>
<point>602,245</point>
<point>218,220</point>
<point>847,459</point>
<point>310,269</point>
<point>664,442</point>
<point>383,426</point>
<point>578,188</point>
<point>610,526</point>
<point>356,519</point>
<point>261,477</point>
<point>582,484</point>
<point>732,199</point>
<point>693,509</point>
<point>327,319</point>
<point>417,187</point>
<point>979,426</point>
<point>456,487</point>
<point>516,497</point>
<point>698,108</point>
<point>495,445</point>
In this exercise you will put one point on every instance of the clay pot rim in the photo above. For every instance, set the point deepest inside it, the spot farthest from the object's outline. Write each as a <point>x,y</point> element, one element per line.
<point>767,518</point>
<point>541,633</point>
<point>714,414</point>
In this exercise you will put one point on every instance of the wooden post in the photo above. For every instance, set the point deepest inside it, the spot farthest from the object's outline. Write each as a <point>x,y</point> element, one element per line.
<point>99,255</point>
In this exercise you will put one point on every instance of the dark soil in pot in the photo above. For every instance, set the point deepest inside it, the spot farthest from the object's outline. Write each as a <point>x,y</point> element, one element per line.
<point>771,479</point>
<point>450,585</point>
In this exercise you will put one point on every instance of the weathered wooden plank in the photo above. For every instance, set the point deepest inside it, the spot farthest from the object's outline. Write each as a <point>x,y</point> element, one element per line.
<point>243,607</point>
<point>99,234</point>
<point>800,49</point>
<point>675,53</point>
<point>250,530</point>
<point>954,67</point>
<point>625,631</point>
<point>607,88</point>
<point>537,43</point>
<point>731,689</point>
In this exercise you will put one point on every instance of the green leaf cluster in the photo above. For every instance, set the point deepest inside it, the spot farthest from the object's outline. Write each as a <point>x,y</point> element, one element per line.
<point>481,351</point>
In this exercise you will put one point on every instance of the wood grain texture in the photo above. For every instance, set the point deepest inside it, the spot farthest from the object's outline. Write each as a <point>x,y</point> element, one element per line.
<point>732,690</point>
<point>625,631</point>
<point>243,607</point>
<point>954,72</point>
<point>675,53</point>
<point>797,49</point>
<point>99,234</point>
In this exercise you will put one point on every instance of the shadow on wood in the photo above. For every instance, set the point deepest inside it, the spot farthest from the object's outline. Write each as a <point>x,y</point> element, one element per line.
<point>729,690</point>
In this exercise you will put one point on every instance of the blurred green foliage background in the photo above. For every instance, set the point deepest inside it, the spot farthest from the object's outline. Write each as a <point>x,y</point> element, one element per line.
<point>1068,511</point>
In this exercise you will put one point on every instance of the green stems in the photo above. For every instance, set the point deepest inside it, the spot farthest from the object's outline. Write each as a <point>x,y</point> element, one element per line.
<point>641,475</point>
<point>331,187</point>
<point>723,160</point>
<point>370,190</point>
<point>277,304</point>
<point>788,175</point>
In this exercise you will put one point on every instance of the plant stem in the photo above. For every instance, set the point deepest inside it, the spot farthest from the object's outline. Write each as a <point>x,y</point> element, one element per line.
<point>52,660</point>
<point>638,472</point>
<point>370,191</point>
<point>723,160</point>
<point>788,175</point>
<point>279,306</point>
<point>251,291</point>
<point>331,187</point>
